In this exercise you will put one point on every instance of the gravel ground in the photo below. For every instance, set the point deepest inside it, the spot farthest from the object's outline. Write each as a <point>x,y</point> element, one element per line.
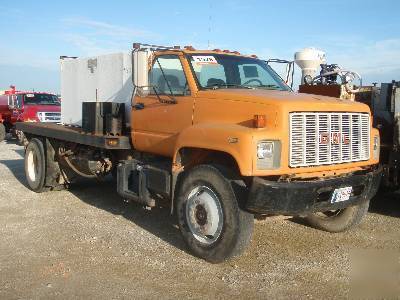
<point>88,243</point>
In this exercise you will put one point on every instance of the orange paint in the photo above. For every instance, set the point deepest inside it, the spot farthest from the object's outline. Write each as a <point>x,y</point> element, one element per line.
<point>209,119</point>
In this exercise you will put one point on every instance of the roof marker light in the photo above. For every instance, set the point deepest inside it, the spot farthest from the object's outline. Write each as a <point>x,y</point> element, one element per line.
<point>190,48</point>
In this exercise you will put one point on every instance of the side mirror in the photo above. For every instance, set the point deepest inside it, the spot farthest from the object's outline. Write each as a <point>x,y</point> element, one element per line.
<point>140,73</point>
<point>140,68</point>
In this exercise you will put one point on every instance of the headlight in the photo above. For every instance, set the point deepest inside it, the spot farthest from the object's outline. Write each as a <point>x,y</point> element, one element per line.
<point>376,148</point>
<point>265,150</point>
<point>268,155</point>
<point>40,116</point>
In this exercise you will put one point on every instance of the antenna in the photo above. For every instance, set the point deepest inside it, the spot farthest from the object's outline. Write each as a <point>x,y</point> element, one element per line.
<point>209,26</point>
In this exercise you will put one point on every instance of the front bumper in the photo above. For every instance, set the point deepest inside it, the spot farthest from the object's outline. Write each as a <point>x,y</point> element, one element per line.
<point>303,197</point>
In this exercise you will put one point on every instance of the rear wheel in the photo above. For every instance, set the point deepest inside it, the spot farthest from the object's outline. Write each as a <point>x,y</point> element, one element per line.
<point>35,165</point>
<point>2,132</point>
<point>211,222</point>
<point>339,220</point>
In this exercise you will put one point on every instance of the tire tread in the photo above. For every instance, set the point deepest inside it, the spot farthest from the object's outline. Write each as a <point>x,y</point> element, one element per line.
<point>236,235</point>
<point>349,218</point>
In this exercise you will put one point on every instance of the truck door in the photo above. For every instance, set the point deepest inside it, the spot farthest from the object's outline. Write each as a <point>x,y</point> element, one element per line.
<point>158,117</point>
<point>11,101</point>
<point>18,109</point>
<point>12,105</point>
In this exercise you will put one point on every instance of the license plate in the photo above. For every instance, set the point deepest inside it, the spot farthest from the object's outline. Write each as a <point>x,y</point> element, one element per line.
<point>342,194</point>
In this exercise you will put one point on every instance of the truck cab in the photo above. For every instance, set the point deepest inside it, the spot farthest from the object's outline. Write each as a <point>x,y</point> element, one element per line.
<point>36,107</point>
<point>19,106</point>
<point>297,154</point>
<point>220,137</point>
<point>237,105</point>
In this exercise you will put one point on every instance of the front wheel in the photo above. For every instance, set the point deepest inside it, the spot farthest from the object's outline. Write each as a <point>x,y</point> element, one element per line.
<point>210,219</point>
<point>2,132</point>
<point>339,220</point>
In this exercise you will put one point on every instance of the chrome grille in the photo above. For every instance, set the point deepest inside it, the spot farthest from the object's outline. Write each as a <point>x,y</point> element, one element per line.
<point>328,138</point>
<point>51,117</point>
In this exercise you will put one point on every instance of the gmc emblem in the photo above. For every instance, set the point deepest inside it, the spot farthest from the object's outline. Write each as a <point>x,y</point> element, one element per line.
<point>335,139</point>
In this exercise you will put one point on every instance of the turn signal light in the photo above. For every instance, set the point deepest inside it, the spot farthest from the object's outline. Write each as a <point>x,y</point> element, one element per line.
<point>259,121</point>
<point>112,142</point>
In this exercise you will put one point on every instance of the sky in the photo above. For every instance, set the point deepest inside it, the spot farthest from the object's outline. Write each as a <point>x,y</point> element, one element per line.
<point>360,35</point>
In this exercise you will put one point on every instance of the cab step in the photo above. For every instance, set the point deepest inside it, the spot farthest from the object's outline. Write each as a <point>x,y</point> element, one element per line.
<point>141,182</point>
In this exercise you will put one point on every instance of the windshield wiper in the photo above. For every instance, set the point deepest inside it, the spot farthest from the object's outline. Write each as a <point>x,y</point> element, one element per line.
<point>217,86</point>
<point>270,86</point>
<point>172,98</point>
<point>251,87</point>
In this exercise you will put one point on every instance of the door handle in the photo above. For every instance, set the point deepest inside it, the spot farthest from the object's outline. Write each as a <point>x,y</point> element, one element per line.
<point>138,106</point>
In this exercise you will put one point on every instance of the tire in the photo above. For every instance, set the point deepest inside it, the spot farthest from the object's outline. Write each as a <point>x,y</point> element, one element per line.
<point>210,220</point>
<point>35,165</point>
<point>340,220</point>
<point>2,132</point>
<point>21,139</point>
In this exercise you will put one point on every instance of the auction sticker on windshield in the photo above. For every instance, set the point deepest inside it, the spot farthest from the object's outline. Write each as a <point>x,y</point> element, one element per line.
<point>205,60</point>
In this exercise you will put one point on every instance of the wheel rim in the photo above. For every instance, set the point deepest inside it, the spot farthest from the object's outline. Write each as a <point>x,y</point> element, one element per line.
<point>204,215</point>
<point>32,166</point>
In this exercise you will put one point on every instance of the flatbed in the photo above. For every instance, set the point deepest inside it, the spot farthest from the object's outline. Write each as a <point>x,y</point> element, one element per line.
<point>76,135</point>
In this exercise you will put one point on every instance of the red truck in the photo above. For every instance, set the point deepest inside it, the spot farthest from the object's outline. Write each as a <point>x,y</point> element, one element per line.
<point>25,106</point>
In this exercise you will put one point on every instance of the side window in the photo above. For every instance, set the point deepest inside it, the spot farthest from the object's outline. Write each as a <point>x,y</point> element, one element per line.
<point>167,76</point>
<point>12,100</point>
<point>19,101</point>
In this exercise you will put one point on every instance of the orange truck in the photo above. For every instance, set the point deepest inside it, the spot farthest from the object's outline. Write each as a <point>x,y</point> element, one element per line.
<point>219,137</point>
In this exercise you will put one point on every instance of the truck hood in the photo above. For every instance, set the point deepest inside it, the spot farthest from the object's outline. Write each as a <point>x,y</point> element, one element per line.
<point>42,108</point>
<point>29,112</point>
<point>286,101</point>
<point>239,106</point>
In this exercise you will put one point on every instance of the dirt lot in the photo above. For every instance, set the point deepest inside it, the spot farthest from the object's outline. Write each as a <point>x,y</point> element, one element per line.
<point>88,243</point>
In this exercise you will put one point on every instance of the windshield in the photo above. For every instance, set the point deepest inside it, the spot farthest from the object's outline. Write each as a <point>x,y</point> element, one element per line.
<point>41,99</point>
<point>230,71</point>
